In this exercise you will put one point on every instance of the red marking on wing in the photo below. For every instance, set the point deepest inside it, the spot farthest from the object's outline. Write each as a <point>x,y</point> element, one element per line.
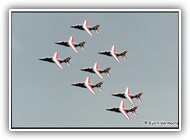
<point>88,85</point>
<point>86,23</point>
<point>56,60</point>
<point>91,88</point>
<point>123,105</point>
<point>131,99</point>
<point>56,55</point>
<point>72,45</point>
<point>98,72</point>
<point>129,95</point>
<point>126,114</point>
<point>117,57</point>
<point>128,92</point>
<point>86,27</point>
<point>88,80</point>
<point>72,40</point>
<point>114,49</point>
<point>114,53</point>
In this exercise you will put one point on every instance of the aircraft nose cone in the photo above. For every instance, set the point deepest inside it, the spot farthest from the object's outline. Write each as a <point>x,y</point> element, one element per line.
<point>73,84</point>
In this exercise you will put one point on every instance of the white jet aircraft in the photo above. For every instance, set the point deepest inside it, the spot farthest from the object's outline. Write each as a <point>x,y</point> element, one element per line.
<point>88,85</point>
<point>71,44</point>
<point>123,110</point>
<point>127,95</point>
<point>96,70</point>
<point>114,54</point>
<point>85,27</point>
<point>56,60</point>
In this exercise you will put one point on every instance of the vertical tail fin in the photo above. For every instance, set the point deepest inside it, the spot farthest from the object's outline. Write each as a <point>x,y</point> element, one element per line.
<point>96,28</point>
<point>67,60</point>
<point>134,110</point>
<point>99,86</point>
<point>82,45</point>
<point>139,96</point>
<point>107,71</point>
<point>123,54</point>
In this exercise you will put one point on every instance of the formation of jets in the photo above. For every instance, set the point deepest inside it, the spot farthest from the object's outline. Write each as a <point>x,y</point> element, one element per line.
<point>122,109</point>
<point>95,69</point>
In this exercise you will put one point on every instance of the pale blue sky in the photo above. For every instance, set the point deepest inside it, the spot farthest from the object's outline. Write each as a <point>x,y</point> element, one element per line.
<point>41,92</point>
